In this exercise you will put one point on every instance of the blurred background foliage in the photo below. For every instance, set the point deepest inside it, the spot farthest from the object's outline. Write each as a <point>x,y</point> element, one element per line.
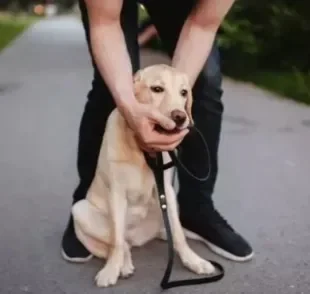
<point>263,42</point>
<point>267,43</point>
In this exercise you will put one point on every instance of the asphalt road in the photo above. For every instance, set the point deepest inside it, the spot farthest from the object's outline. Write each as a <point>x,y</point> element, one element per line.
<point>263,186</point>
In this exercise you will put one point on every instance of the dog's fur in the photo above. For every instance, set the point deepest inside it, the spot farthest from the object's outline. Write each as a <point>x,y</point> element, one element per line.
<point>121,209</point>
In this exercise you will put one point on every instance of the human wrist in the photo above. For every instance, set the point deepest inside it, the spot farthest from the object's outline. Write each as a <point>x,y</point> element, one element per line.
<point>126,103</point>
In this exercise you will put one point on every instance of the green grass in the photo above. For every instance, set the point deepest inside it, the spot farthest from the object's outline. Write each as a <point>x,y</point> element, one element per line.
<point>13,25</point>
<point>293,85</point>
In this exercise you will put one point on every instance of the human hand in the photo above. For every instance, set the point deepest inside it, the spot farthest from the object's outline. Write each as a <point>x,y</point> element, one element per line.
<point>143,120</point>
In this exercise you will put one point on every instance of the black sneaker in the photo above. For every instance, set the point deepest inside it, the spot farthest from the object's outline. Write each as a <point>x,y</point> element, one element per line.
<point>72,249</point>
<point>207,225</point>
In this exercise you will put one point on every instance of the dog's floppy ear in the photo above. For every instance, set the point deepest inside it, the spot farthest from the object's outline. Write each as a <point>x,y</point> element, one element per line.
<point>140,88</point>
<point>188,106</point>
<point>137,77</point>
<point>138,84</point>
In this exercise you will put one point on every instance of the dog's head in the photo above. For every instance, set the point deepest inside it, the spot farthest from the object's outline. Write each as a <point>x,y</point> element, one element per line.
<point>168,90</point>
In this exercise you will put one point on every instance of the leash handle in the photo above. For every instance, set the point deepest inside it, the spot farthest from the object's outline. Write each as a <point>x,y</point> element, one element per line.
<point>165,283</point>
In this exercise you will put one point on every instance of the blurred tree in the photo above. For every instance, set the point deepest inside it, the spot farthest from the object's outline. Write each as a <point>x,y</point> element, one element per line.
<point>4,4</point>
<point>268,34</point>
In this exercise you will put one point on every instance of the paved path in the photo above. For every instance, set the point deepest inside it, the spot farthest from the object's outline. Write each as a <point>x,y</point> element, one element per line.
<point>263,186</point>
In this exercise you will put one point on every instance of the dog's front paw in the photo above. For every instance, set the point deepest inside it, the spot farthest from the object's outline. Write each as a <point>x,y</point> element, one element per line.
<point>197,264</point>
<point>127,269</point>
<point>108,276</point>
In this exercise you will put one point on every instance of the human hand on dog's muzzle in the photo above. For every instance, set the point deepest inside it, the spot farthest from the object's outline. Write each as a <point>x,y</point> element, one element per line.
<point>154,131</point>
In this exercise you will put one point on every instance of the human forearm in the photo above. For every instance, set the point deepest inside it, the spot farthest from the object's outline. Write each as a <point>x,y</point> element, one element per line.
<point>192,50</point>
<point>112,59</point>
<point>197,36</point>
<point>110,51</point>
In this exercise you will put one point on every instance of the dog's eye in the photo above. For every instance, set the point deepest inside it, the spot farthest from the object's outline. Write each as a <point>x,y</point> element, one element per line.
<point>157,89</point>
<point>184,92</point>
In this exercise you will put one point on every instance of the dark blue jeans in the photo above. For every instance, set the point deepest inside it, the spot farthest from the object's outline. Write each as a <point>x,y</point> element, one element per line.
<point>168,17</point>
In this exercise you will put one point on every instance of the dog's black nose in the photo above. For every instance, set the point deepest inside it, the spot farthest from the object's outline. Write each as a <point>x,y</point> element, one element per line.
<point>178,117</point>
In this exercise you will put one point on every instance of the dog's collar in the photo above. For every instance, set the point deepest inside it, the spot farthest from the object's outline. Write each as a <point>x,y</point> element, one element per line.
<point>153,163</point>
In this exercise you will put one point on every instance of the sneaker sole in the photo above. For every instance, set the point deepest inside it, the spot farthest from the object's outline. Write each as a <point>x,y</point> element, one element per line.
<point>75,259</point>
<point>216,249</point>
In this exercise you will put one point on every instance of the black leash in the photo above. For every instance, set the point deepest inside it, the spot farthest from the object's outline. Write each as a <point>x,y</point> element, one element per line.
<point>158,167</point>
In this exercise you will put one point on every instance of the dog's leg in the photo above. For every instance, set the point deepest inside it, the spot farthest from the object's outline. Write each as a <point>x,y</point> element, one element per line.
<point>147,230</point>
<point>93,245</point>
<point>189,258</point>
<point>91,227</point>
<point>127,269</point>
<point>118,206</point>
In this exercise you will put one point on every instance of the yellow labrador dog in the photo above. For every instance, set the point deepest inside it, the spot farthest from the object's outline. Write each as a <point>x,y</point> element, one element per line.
<point>121,209</point>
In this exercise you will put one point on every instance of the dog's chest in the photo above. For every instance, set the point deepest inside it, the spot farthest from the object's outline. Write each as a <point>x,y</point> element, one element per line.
<point>139,187</point>
<point>140,197</point>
